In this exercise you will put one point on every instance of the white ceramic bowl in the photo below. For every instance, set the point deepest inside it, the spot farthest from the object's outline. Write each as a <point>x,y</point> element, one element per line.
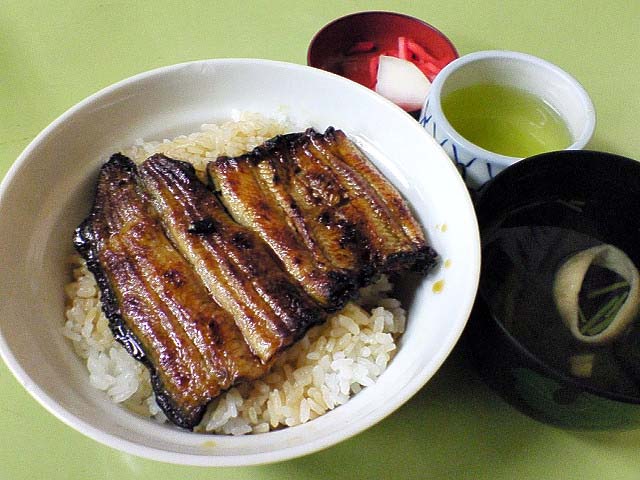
<point>49,190</point>
<point>501,67</point>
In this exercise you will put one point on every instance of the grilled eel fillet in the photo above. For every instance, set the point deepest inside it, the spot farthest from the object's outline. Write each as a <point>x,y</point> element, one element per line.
<point>235,265</point>
<point>328,214</point>
<point>157,307</point>
<point>201,300</point>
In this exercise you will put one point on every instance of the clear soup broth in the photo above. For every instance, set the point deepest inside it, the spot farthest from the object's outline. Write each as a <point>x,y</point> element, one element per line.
<point>521,255</point>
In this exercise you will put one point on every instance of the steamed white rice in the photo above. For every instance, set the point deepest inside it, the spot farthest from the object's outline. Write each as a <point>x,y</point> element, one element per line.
<point>322,371</point>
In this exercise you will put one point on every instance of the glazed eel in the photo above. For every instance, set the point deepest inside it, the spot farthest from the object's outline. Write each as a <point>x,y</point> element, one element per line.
<point>207,287</point>
<point>329,215</point>
<point>233,262</point>
<point>159,308</point>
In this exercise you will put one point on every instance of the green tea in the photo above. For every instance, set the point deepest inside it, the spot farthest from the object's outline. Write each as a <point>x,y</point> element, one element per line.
<point>505,120</point>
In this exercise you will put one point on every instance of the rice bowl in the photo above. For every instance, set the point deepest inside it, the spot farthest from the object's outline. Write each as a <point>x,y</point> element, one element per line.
<point>66,156</point>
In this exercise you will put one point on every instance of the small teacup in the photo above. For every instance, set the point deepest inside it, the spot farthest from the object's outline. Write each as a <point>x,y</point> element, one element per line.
<point>525,72</point>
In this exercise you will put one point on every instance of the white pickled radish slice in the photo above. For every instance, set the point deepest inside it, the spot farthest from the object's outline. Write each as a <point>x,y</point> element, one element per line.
<point>402,82</point>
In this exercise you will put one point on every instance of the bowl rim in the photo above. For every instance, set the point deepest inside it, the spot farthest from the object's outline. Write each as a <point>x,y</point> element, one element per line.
<point>555,373</point>
<point>433,100</point>
<point>242,459</point>
<point>366,13</point>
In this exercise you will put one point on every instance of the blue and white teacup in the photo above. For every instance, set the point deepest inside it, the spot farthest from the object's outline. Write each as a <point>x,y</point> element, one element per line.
<point>500,67</point>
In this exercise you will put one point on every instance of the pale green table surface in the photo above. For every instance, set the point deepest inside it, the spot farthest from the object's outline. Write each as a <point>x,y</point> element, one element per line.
<point>55,53</point>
